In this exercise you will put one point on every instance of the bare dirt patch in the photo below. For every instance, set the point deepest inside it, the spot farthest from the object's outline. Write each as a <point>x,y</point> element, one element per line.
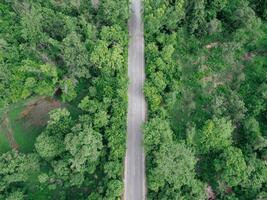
<point>212,45</point>
<point>248,56</point>
<point>210,193</point>
<point>37,112</point>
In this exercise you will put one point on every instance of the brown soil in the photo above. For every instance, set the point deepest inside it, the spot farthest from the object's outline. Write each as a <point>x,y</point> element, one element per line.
<point>228,190</point>
<point>248,56</point>
<point>210,193</point>
<point>212,45</point>
<point>37,113</point>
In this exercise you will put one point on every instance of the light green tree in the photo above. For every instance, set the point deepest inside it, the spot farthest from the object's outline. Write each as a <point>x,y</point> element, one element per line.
<point>215,135</point>
<point>75,56</point>
<point>48,147</point>
<point>84,145</point>
<point>68,89</point>
<point>17,168</point>
<point>231,167</point>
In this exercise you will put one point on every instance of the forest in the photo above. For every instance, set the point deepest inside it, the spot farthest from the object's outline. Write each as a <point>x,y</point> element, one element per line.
<point>206,88</point>
<point>63,99</point>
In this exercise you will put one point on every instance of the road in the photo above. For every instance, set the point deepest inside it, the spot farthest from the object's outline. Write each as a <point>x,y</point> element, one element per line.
<point>135,161</point>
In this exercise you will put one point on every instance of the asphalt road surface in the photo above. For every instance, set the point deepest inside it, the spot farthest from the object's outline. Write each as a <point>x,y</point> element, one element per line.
<point>135,161</point>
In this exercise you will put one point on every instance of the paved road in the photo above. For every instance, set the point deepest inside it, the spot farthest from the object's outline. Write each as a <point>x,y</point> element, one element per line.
<point>135,161</point>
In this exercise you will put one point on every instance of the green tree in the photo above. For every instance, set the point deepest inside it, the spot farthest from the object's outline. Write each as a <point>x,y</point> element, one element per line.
<point>231,167</point>
<point>253,134</point>
<point>196,16</point>
<point>174,171</point>
<point>175,12</point>
<point>90,105</point>
<point>257,175</point>
<point>155,15</point>
<point>154,99</point>
<point>17,195</point>
<point>107,59</point>
<point>53,24</point>
<point>115,12</point>
<point>70,151</point>
<point>100,119</point>
<point>84,145</point>
<point>75,56</point>
<point>215,135</point>
<point>37,79</point>
<point>49,143</point>
<point>31,22</point>
<point>261,196</point>
<point>17,168</point>
<point>157,132</point>
<point>175,165</point>
<point>114,189</point>
<point>48,147</point>
<point>59,123</point>
<point>68,89</point>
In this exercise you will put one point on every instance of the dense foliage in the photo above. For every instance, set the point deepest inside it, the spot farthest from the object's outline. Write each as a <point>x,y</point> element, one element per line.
<point>77,53</point>
<point>206,89</point>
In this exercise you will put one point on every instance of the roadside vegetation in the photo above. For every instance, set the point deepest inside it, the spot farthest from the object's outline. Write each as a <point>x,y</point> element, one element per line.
<point>63,99</point>
<point>206,88</point>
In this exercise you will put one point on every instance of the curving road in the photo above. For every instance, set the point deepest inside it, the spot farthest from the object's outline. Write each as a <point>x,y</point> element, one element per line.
<point>135,161</point>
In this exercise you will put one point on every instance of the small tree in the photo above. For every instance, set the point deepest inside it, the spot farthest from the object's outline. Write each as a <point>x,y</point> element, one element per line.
<point>231,167</point>
<point>215,135</point>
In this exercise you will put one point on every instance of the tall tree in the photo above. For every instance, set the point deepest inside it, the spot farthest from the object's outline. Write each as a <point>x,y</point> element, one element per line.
<point>75,56</point>
<point>215,135</point>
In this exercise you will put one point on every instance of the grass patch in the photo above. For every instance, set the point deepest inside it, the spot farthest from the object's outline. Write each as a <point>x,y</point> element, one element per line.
<point>24,136</point>
<point>4,144</point>
<point>24,121</point>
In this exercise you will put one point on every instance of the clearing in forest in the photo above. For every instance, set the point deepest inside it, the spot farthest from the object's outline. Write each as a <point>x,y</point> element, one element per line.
<point>21,123</point>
